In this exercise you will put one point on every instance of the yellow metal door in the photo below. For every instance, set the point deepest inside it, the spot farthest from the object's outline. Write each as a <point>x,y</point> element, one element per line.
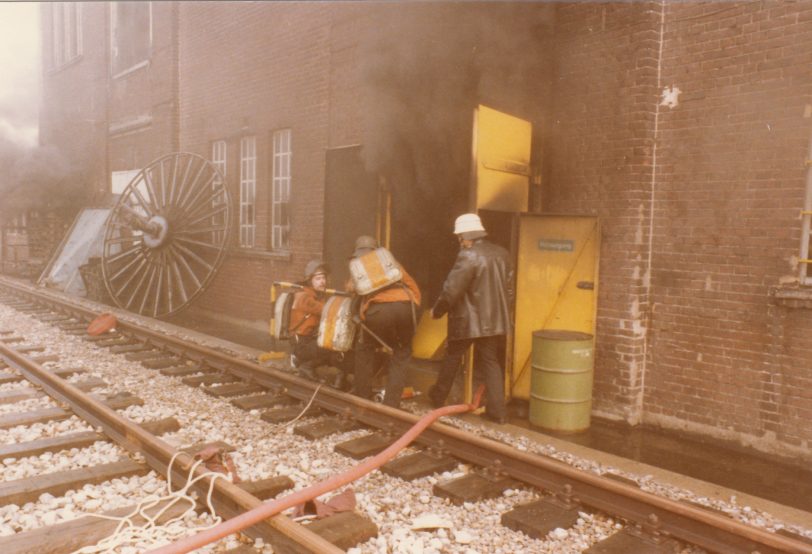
<point>556,283</point>
<point>501,161</point>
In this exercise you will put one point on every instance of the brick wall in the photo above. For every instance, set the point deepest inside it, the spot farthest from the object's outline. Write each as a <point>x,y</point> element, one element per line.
<point>699,204</point>
<point>729,187</point>
<point>599,161</point>
<point>251,69</point>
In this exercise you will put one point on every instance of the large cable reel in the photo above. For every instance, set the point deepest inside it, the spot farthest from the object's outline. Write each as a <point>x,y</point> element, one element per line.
<point>166,236</point>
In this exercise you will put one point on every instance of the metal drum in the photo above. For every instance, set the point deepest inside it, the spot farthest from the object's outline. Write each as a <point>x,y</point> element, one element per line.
<point>561,382</point>
<point>337,328</point>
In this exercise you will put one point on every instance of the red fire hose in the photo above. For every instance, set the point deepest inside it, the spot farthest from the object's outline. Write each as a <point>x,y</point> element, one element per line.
<point>271,509</point>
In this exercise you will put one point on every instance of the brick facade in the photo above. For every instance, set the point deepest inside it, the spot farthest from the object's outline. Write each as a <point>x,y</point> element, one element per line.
<point>699,205</point>
<point>698,198</point>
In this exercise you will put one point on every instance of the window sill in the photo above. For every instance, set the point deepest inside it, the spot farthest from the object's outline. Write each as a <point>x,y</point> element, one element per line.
<point>64,65</point>
<point>261,254</point>
<point>130,70</point>
<point>792,296</point>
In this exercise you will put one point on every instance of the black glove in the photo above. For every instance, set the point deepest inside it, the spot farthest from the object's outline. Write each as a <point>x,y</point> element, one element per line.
<point>439,309</point>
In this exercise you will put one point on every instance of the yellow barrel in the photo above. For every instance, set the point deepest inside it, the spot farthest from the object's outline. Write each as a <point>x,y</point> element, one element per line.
<point>561,381</point>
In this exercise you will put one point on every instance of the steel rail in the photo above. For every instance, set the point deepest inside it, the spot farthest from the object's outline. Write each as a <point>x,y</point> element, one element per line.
<point>229,499</point>
<point>714,532</point>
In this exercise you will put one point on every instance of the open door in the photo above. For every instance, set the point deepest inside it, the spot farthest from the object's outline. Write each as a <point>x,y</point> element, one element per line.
<point>353,203</point>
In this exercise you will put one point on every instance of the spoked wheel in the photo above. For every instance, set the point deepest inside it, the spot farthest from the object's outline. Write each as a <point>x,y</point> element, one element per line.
<point>166,236</point>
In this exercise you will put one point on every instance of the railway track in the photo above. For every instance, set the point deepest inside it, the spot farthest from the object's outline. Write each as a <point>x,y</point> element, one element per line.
<point>544,499</point>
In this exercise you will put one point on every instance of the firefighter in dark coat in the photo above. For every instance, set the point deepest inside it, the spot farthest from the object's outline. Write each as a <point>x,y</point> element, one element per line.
<point>478,297</point>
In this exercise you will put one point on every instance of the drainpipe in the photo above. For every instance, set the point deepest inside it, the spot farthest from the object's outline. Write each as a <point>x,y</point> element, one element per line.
<point>264,511</point>
<point>806,220</point>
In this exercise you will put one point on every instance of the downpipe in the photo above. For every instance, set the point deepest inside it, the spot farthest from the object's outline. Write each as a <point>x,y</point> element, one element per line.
<point>270,509</point>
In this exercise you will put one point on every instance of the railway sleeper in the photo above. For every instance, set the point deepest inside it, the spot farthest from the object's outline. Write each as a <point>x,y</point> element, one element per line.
<point>344,529</point>
<point>54,318</point>
<point>26,393</point>
<point>12,339</point>
<point>159,363</point>
<point>72,325</point>
<point>128,348</point>
<point>475,486</point>
<point>259,401</point>
<point>288,413</point>
<point>69,536</point>
<point>420,464</point>
<point>632,539</point>
<point>146,353</point>
<point>321,429</point>
<point>233,389</point>
<point>80,439</point>
<point>184,370</point>
<point>108,339</point>
<point>21,491</point>
<point>16,377</point>
<point>365,446</point>
<point>538,518</point>
<point>39,360</point>
<point>114,402</point>
<point>209,379</point>
<point>31,348</point>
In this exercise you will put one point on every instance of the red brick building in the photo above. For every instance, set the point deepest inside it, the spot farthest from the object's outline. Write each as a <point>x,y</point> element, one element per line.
<point>685,127</point>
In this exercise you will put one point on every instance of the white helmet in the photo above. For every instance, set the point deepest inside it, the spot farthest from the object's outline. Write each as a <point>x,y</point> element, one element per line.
<point>469,226</point>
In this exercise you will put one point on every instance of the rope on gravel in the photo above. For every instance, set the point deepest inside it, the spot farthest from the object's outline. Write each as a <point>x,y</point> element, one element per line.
<point>302,413</point>
<point>151,533</point>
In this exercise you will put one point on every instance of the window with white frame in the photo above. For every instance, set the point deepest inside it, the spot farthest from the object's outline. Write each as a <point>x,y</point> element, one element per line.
<point>218,160</point>
<point>248,191</point>
<point>280,199</point>
<point>66,32</point>
<point>131,40</point>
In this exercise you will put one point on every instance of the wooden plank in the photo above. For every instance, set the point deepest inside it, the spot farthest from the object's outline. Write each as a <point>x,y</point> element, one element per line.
<point>70,536</point>
<point>8,421</point>
<point>161,426</point>
<point>143,355</point>
<point>418,465</point>
<point>115,402</point>
<point>21,491</point>
<point>365,446</point>
<point>281,415</point>
<point>345,529</point>
<point>50,444</point>
<point>128,348</point>
<point>183,370</point>
<point>31,348</point>
<point>233,389</point>
<point>321,429</point>
<point>268,488</point>
<point>536,519</point>
<point>473,488</point>
<point>267,400</point>
<point>210,379</point>
<point>624,542</point>
<point>6,377</point>
<point>44,359</point>
<point>160,363</point>
<point>20,394</point>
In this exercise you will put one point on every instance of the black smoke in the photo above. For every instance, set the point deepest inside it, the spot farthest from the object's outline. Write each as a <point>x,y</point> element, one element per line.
<point>425,67</point>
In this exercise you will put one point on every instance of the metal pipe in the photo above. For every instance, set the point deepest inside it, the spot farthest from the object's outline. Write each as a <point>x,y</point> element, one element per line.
<point>806,220</point>
<point>270,509</point>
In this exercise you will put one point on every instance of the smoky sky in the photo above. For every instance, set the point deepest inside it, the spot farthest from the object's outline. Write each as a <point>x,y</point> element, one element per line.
<point>425,68</point>
<point>19,68</point>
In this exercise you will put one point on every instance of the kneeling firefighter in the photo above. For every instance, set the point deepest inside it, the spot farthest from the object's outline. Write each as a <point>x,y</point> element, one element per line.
<point>305,314</point>
<point>388,314</point>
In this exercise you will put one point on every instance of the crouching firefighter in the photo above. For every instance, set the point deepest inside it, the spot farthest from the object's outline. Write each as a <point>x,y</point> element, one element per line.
<point>305,314</point>
<point>388,317</point>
